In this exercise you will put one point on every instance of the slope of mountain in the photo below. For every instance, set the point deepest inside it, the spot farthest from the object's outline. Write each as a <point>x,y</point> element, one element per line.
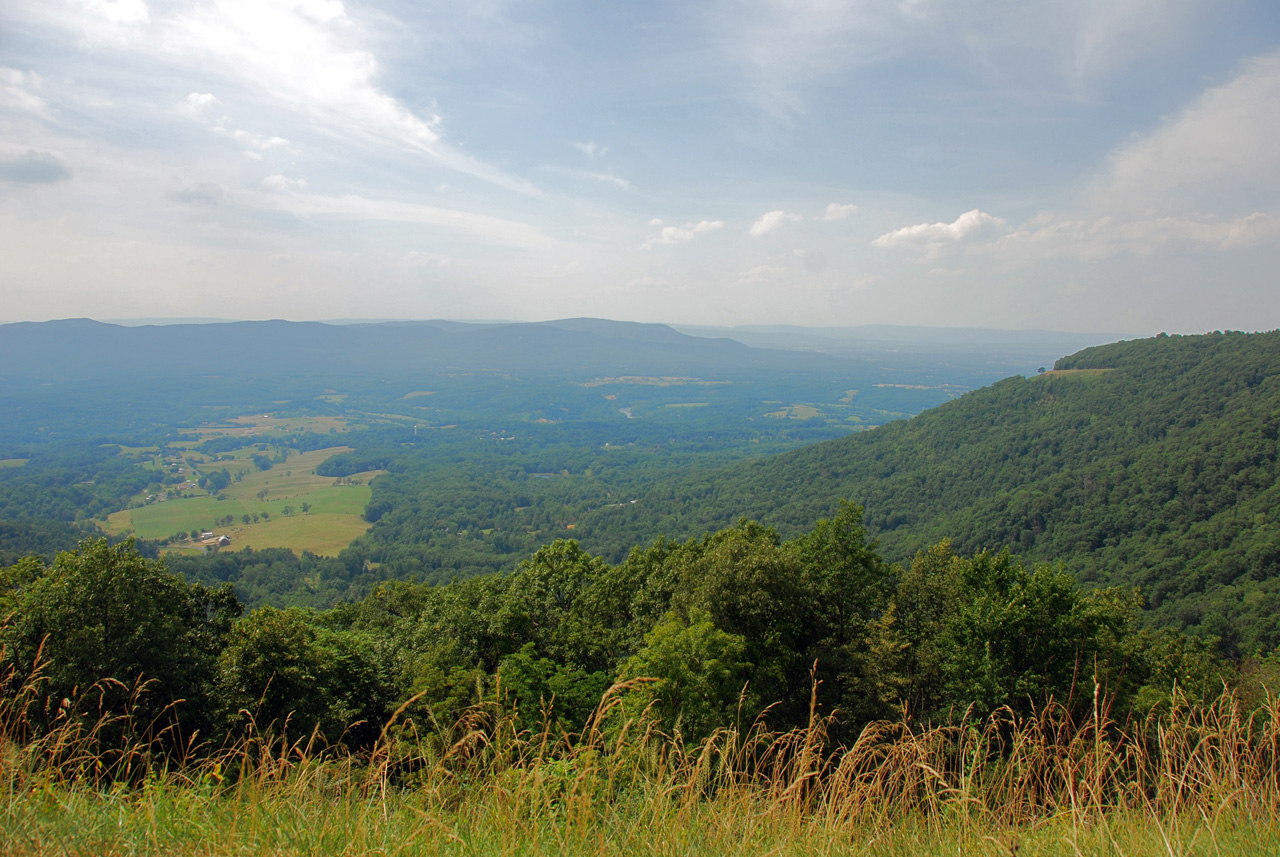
<point>1150,463</point>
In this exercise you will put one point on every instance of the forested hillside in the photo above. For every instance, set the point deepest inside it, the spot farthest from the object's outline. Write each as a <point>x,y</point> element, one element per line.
<point>1150,463</point>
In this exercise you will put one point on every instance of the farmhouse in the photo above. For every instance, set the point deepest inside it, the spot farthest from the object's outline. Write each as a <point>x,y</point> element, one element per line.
<point>224,541</point>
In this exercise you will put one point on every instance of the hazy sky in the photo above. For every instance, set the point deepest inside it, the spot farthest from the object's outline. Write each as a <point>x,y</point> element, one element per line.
<point>1095,165</point>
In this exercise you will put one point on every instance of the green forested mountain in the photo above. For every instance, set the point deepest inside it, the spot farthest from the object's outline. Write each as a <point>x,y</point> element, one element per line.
<point>1149,463</point>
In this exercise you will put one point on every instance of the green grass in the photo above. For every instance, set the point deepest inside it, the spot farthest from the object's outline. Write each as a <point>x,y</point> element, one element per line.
<point>306,820</point>
<point>334,520</point>
<point>12,462</point>
<point>1200,780</point>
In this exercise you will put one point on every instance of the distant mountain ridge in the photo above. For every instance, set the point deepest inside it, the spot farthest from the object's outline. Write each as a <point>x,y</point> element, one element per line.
<point>82,349</point>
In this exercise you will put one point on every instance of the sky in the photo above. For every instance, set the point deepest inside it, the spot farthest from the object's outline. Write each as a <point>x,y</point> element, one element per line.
<point>1082,165</point>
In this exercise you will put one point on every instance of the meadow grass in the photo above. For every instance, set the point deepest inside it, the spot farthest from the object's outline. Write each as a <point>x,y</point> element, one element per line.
<point>334,520</point>
<point>1193,779</point>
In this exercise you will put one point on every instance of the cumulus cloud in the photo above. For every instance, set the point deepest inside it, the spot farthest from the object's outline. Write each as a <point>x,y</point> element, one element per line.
<point>934,234</point>
<point>838,211</point>
<point>34,168</point>
<point>770,221</point>
<point>680,234</point>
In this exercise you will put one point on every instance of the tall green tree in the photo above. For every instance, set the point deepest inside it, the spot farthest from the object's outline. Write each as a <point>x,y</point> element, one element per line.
<point>104,612</point>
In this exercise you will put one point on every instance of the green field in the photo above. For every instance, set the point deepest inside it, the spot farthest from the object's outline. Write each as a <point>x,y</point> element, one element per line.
<point>334,517</point>
<point>12,462</point>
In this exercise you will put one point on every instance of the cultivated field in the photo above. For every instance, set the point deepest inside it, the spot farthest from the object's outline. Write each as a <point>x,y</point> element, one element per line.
<point>276,496</point>
<point>250,426</point>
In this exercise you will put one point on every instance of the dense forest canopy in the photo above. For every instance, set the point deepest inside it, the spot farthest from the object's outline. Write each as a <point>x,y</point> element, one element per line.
<point>733,625</point>
<point>1149,464</point>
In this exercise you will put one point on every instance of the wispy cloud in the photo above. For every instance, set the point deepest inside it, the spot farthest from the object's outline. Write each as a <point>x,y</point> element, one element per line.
<point>309,58</point>
<point>17,91</point>
<point>591,150</point>
<point>597,177</point>
<point>759,274</point>
<point>784,46</point>
<point>494,230</point>
<point>1098,238</point>
<point>1207,179</point>
<point>1218,151</point>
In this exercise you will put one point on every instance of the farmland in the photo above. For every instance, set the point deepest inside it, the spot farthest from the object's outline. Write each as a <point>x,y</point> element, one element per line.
<point>287,506</point>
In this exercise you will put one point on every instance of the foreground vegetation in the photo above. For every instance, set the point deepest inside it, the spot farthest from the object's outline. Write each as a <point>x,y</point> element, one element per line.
<point>1189,779</point>
<point>734,694</point>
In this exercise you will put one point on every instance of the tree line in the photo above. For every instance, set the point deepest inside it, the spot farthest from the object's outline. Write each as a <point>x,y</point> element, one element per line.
<point>733,625</point>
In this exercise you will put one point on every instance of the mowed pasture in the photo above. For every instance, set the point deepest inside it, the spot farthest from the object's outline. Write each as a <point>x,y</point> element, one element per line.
<point>333,519</point>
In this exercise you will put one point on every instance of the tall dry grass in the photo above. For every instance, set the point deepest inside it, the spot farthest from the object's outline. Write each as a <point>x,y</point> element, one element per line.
<point>1189,777</point>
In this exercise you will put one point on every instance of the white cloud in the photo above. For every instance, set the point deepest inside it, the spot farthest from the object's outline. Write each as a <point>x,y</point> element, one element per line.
<point>1208,179</point>
<point>838,211</point>
<point>196,102</point>
<point>120,11</point>
<point>680,234</point>
<point>310,59</point>
<point>759,273</point>
<point>1218,152</point>
<point>16,91</point>
<point>278,182</point>
<point>1098,238</point>
<point>256,143</point>
<point>934,234</point>
<point>770,221</point>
